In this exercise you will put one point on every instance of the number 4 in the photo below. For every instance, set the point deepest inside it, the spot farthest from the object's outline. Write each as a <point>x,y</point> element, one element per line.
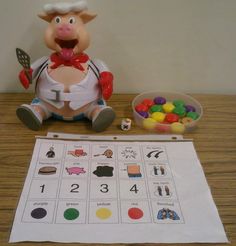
<point>134,189</point>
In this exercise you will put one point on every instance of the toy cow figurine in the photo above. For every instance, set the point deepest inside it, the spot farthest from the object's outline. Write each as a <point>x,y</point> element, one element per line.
<point>69,85</point>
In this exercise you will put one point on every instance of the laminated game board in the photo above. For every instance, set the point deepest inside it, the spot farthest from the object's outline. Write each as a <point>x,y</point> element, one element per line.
<point>116,191</point>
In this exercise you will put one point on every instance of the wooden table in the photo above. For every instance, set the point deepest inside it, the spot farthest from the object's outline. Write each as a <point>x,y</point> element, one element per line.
<point>215,143</point>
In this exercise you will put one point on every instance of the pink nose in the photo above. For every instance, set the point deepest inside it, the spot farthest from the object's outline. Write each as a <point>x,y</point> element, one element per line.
<point>63,31</point>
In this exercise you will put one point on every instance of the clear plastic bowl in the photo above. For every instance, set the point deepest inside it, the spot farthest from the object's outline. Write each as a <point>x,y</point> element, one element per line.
<point>170,97</point>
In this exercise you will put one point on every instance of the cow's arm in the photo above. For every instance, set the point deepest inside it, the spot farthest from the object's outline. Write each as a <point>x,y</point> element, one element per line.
<point>32,73</point>
<point>37,66</point>
<point>105,79</point>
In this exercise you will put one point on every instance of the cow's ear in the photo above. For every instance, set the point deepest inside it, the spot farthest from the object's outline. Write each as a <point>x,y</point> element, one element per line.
<point>86,17</point>
<point>47,18</point>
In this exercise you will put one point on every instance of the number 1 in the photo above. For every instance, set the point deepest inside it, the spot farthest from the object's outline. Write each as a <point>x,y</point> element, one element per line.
<point>42,186</point>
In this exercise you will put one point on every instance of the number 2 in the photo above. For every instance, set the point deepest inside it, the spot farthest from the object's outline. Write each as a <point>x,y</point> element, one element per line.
<point>75,188</point>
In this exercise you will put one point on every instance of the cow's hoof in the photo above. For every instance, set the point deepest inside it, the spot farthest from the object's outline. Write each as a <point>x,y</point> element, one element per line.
<point>29,117</point>
<point>103,119</point>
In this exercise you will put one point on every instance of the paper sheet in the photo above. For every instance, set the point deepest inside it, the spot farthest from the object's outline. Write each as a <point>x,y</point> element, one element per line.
<point>116,192</point>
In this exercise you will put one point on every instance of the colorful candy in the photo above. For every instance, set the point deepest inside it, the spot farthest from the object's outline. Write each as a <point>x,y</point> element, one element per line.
<point>186,120</point>
<point>171,118</point>
<point>161,115</point>
<point>177,127</point>
<point>193,115</point>
<point>158,116</point>
<point>149,124</point>
<point>148,102</point>
<point>156,108</point>
<point>190,108</point>
<point>144,114</point>
<point>159,100</point>
<point>180,110</point>
<point>141,108</point>
<point>179,103</point>
<point>168,107</point>
<point>164,127</point>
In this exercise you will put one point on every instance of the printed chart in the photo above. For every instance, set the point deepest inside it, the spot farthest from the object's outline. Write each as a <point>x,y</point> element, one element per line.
<point>116,192</point>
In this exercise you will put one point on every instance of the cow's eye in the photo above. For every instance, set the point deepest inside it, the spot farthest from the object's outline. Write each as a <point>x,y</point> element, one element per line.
<point>58,19</point>
<point>72,20</point>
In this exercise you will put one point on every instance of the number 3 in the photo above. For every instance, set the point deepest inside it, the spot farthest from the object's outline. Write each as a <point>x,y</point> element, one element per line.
<point>104,188</point>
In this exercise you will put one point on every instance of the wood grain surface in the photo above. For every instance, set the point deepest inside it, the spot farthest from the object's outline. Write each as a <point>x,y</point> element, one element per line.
<point>214,140</point>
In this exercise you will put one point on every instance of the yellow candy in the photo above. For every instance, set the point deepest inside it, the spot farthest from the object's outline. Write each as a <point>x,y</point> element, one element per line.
<point>149,124</point>
<point>177,127</point>
<point>187,120</point>
<point>103,213</point>
<point>168,107</point>
<point>158,116</point>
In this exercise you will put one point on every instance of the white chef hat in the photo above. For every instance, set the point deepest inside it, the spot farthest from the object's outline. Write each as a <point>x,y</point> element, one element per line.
<point>52,9</point>
<point>65,7</point>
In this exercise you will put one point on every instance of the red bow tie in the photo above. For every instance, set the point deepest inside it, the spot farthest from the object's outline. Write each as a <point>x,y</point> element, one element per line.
<point>75,61</point>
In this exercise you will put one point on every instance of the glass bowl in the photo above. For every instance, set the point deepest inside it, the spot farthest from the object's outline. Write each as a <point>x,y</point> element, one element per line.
<point>179,127</point>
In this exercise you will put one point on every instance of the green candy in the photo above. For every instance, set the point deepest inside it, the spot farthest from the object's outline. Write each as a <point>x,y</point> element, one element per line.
<point>71,214</point>
<point>180,110</point>
<point>193,115</point>
<point>179,103</point>
<point>156,108</point>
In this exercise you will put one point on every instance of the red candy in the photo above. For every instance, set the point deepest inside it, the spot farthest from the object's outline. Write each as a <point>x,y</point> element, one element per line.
<point>171,118</point>
<point>148,102</point>
<point>163,127</point>
<point>141,108</point>
<point>135,213</point>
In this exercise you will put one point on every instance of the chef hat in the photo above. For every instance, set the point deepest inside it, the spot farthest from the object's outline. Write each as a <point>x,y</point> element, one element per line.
<point>65,7</point>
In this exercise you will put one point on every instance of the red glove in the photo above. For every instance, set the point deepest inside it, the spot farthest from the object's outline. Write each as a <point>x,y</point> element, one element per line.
<point>25,81</point>
<point>106,83</point>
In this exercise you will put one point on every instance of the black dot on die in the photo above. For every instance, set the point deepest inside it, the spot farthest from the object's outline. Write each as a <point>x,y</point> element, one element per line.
<point>38,213</point>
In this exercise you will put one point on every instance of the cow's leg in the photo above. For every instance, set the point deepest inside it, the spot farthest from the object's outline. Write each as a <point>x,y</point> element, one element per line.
<point>33,115</point>
<point>101,115</point>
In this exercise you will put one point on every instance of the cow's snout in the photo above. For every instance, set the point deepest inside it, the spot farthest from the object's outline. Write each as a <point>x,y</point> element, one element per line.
<point>64,31</point>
